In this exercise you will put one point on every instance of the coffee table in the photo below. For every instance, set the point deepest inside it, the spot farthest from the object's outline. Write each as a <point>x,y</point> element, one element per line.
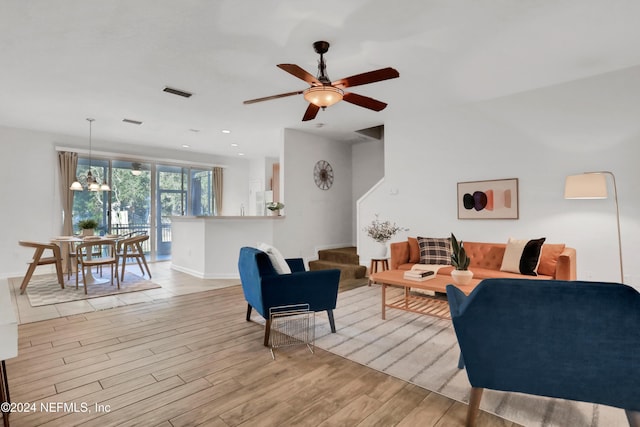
<point>415,303</point>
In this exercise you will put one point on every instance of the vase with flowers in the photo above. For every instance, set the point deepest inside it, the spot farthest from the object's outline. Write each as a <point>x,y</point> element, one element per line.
<point>381,232</point>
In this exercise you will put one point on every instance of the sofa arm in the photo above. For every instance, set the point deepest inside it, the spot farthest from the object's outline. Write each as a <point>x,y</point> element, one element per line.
<point>566,265</point>
<point>399,254</point>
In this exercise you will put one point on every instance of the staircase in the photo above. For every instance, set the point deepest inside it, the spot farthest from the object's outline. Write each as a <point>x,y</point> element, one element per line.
<point>352,274</point>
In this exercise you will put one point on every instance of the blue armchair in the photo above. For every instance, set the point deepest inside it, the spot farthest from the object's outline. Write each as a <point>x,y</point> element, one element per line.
<point>264,288</point>
<point>570,340</point>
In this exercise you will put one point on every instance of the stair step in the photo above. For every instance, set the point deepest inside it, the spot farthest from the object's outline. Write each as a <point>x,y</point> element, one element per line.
<point>348,255</point>
<point>347,271</point>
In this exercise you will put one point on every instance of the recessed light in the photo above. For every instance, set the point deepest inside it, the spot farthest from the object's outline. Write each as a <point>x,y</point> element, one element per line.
<point>240,154</point>
<point>186,146</point>
<point>234,145</point>
<point>226,131</point>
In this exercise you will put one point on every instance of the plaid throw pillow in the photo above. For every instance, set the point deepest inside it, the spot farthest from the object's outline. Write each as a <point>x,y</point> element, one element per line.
<point>435,250</point>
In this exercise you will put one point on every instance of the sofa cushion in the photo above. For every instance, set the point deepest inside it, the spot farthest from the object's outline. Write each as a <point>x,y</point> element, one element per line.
<point>276,258</point>
<point>549,258</point>
<point>522,256</point>
<point>414,250</point>
<point>485,255</point>
<point>435,250</point>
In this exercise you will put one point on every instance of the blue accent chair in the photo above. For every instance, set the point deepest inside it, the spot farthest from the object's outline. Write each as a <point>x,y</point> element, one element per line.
<point>264,288</point>
<point>570,340</point>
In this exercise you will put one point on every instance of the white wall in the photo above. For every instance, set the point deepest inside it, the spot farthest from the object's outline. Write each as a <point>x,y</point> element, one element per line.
<point>235,188</point>
<point>29,187</point>
<point>315,218</point>
<point>539,137</point>
<point>28,190</point>
<point>367,164</point>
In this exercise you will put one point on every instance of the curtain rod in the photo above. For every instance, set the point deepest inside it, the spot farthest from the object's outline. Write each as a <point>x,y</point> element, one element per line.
<point>123,156</point>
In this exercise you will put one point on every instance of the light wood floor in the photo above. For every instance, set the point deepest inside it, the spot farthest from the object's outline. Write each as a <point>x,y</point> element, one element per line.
<point>194,360</point>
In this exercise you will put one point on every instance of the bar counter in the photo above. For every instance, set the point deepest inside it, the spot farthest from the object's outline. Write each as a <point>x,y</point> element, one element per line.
<point>208,246</point>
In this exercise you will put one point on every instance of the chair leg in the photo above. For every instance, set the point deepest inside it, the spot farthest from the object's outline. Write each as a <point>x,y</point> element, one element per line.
<point>59,271</point>
<point>633,417</point>
<point>32,267</point>
<point>144,261</point>
<point>474,406</point>
<point>115,267</point>
<point>249,312</point>
<point>140,265</point>
<point>332,322</point>
<point>124,262</point>
<point>267,329</point>
<point>84,279</point>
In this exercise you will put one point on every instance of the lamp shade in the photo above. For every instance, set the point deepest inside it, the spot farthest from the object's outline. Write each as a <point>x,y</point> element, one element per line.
<point>323,96</point>
<point>586,186</point>
<point>76,186</point>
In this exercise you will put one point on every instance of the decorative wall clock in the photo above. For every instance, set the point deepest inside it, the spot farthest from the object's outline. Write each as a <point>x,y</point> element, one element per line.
<point>323,175</point>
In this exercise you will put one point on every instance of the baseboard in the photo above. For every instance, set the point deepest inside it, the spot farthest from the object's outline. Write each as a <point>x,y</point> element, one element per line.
<point>200,275</point>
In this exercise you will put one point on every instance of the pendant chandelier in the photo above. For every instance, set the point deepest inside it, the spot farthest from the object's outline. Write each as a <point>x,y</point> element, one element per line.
<point>92,182</point>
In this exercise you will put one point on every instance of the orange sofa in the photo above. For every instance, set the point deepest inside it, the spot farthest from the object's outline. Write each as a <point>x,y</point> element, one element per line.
<point>557,261</point>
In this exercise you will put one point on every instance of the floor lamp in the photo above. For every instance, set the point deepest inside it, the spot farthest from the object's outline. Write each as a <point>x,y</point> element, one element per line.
<point>593,185</point>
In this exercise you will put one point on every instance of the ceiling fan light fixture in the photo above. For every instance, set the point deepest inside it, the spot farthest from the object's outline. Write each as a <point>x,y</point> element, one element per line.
<point>323,96</point>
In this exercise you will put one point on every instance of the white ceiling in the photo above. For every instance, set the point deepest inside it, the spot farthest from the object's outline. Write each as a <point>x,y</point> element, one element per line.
<point>63,61</point>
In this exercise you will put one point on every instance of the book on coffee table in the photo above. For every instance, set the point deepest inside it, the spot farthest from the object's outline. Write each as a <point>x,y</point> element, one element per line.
<point>419,275</point>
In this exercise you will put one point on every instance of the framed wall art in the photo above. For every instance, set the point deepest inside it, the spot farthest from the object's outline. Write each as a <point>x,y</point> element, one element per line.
<point>493,199</point>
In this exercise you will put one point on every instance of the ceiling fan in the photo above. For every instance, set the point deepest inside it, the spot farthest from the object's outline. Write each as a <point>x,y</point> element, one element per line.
<point>323,92</point>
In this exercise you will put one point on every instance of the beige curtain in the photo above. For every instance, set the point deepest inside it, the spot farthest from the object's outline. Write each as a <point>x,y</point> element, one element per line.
<point>68,163</point>
<point>217,189</point>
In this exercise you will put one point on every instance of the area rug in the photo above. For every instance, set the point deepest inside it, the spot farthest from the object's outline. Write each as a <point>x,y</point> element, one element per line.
<point>423,350</point>
<point>45,290</point>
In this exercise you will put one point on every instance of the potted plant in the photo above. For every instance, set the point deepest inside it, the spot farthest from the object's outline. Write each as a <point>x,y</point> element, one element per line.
<point>275,207</point>
<point>381,232</point>
<point>88,226</point>
<point>460,260</point>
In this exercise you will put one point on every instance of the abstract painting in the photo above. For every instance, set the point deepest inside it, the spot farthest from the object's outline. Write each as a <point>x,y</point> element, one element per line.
<point>493,199</point>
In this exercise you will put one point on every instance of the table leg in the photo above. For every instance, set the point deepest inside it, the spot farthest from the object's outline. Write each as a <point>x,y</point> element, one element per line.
<point>4,389</point>
<point>384,300</point>
<point>406,297</point>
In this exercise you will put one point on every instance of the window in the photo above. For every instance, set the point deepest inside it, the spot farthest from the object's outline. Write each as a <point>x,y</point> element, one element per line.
<point>143,197</point>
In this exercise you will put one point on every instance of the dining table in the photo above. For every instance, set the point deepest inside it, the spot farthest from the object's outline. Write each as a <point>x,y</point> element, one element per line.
<point>71,241</point>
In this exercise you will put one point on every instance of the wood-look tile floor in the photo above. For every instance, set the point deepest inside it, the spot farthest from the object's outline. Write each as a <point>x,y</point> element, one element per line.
<point>193,360</point>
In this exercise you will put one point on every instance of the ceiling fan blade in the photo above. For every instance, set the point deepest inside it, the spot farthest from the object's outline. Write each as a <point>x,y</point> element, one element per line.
<point>364,101</point>
<point>300,73</point>
<point>310,114</point>
<point>267,98</point>
<point>366,78</point>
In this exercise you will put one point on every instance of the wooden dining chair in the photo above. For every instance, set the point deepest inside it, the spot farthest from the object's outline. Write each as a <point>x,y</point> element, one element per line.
<point>131,247</point>
<point>87,259</point>
<point>38,259</point>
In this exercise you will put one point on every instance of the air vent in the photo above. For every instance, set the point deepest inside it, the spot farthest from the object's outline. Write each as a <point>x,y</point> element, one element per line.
<point>133,122</point>
<point>177,92</point>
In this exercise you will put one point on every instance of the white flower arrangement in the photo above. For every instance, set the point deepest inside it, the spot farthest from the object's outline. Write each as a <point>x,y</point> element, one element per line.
<point>381,231</point>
